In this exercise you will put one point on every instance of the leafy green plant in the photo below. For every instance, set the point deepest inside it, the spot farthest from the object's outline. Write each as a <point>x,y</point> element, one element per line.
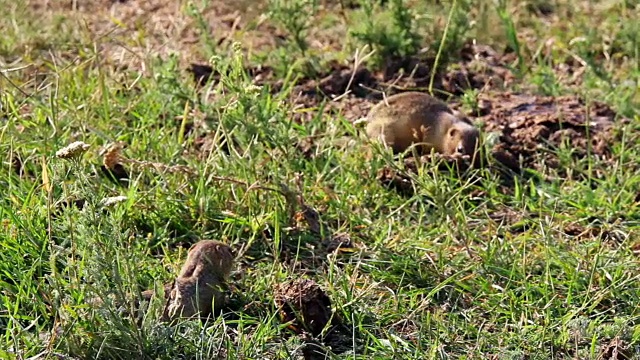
<point>546,81</point>
<point>390,32</point>
<point>450,40</point>
<point>296,17</point>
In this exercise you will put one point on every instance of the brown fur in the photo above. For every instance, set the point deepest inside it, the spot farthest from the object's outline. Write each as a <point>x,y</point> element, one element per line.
<point>413,118</point>
<point>201,282</point>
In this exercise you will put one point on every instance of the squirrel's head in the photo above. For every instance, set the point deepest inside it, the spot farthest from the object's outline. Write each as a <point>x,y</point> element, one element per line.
<point>462,138</point>
<point>209,256</point>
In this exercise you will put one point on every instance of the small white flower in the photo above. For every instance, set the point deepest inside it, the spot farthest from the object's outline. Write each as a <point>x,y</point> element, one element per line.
<point>252,88</point>
<point>112,200</point>
<point>72,150</point>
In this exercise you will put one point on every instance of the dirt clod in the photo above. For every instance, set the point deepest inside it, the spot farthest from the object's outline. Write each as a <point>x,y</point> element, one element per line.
<point>340,80</point>
<point>528,123</point>
<point>305,304</point>
<point>307,308</point>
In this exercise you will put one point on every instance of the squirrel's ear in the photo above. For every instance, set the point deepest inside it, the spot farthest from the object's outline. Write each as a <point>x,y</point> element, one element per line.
<point>453,132</point>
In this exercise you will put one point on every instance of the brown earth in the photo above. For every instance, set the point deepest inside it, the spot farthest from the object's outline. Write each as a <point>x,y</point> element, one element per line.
<point>529,124</point>
<point>127,31</point>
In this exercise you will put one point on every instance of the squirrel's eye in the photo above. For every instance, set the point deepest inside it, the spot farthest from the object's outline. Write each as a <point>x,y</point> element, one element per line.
<point>460,148</point>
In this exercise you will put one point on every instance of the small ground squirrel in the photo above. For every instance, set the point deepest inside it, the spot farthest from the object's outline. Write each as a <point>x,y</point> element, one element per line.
<point>409,118</point>
<point>201,282</point>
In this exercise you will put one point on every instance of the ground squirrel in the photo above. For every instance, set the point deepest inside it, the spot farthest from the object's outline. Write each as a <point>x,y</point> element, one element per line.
<point>201,282</point>
<point>409,118</point>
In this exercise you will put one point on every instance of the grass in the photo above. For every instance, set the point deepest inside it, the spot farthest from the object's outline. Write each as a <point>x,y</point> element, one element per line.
<point>438,275</point>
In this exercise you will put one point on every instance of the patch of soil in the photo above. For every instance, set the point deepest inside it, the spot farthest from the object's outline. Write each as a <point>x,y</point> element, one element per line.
<point>480,67</point>
<point>592,232</point>
<point>127,30</point>
<point>516,221</point>
<point>530,124</point>
<point>308,309</point>
<point>609,229</point>
<point>407,329</point>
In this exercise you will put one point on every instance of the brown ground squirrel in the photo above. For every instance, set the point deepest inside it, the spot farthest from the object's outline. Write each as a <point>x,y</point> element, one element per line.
<point>409,118</point>
<point>201,282</point>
